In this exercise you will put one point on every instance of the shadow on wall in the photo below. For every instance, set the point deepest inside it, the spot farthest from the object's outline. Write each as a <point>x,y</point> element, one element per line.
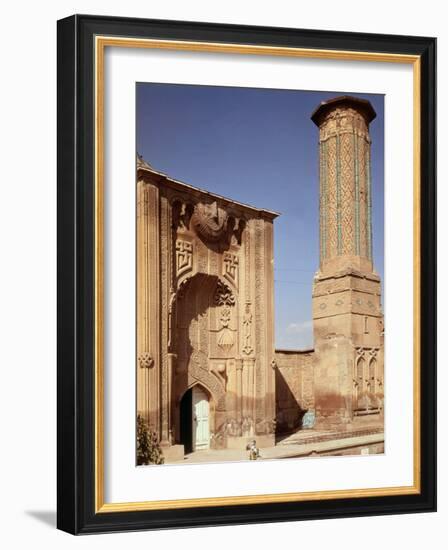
<point>288,412</point>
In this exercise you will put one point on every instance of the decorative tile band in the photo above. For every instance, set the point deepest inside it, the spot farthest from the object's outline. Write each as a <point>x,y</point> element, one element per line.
<point>368,203</point>
<point>323,176</point>
<point>356,150</point>
<point>338,193</point>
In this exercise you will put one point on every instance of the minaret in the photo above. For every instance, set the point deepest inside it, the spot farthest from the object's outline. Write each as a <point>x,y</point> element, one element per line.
<point>347,316</point>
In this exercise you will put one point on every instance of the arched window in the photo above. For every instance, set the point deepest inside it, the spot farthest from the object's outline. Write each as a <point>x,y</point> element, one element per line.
<point>360,381</point>
<point>372,375</point>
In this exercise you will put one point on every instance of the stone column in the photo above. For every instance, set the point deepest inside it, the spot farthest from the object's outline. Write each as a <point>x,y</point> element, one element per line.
<point>269,327</point>
<point>239,388</point>
<point>165,248</point>
<point>148,312</point>
<point>171,366</point>
<point>262,253</point>
<point>346,292</point>
<point>249,391</point>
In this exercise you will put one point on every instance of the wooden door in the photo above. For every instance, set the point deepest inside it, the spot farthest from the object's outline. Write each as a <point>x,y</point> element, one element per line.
<point>201,429</point>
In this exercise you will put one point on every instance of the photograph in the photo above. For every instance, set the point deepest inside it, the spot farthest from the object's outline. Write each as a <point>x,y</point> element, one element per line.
<point>246,274</point>
<point>259,222</point>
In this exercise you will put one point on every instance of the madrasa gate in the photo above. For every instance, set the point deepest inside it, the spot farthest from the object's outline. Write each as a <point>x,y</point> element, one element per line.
<point>208,373</point>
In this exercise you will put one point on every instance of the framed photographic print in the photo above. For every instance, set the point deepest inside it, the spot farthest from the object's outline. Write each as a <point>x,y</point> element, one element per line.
<point>246,274</point>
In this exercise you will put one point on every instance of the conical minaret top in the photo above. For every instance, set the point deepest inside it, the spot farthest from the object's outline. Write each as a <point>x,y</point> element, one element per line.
<point>345,184</point>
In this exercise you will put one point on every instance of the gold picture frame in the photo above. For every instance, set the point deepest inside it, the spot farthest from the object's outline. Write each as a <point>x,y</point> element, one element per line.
<point>83,34</point>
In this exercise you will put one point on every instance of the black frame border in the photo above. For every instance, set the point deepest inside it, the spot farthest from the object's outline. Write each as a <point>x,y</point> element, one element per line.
<point>75,272</point>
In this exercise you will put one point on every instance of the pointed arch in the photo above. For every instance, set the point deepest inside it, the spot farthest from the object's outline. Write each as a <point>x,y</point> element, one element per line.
<point>373,375</point>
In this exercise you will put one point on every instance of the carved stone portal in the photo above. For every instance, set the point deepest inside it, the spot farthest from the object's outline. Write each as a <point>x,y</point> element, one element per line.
<point>203,247</point>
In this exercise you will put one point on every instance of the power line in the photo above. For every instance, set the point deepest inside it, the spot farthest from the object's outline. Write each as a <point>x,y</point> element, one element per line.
<point>292,282</point>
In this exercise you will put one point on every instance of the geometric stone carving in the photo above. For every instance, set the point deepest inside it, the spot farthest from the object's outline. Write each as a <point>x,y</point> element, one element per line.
<point>231,267</point>
<point>345,183</point>
<point>223,295</point>
<point>184,257</point>
<point>145,360</point>
<point>247,336</point>
<point>198,371</point>
<point>209,221</point>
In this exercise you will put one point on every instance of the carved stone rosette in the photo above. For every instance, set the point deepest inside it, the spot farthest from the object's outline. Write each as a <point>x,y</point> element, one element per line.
<point>145,360</point>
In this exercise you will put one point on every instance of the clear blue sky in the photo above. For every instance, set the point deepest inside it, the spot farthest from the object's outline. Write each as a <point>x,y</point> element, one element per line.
<point>259,147</point>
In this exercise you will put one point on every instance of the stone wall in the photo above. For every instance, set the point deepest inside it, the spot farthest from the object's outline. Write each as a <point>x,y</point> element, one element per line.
<point>294,377</point>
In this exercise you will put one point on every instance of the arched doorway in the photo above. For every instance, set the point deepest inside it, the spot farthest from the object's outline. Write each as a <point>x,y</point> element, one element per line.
<point>186,421</point>
<point>195,419</point>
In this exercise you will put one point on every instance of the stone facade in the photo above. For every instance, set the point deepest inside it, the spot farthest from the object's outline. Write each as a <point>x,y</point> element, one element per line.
<point>205,312</point>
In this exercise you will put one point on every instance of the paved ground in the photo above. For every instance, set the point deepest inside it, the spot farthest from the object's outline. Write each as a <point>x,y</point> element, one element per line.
<point>304,435</point>
<point>301,444</point>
